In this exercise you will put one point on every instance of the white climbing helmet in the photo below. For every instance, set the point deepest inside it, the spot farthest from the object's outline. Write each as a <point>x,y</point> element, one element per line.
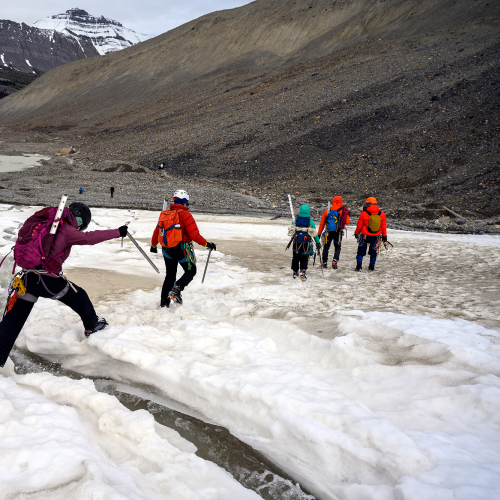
<point>181,194</point>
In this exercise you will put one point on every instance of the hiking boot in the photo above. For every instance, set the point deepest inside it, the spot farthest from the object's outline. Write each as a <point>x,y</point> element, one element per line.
<point>371,267</point>
<point>303,276</point>
<point>175,295</point>
<point>324,264</point>
<point>334,265</point>
<point>165,304</point>
<point>295,275</point>
<point>359,267</point>
<point>100,325</point>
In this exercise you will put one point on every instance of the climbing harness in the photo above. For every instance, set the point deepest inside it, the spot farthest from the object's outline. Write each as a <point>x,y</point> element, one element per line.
<point>18,283</point>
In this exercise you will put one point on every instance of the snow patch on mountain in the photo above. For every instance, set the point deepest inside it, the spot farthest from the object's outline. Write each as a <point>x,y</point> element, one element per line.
<point>105,34</point>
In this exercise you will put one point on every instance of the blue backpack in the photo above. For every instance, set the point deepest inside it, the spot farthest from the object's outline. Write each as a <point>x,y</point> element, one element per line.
<point>302,236</point>
<point>333,220</point>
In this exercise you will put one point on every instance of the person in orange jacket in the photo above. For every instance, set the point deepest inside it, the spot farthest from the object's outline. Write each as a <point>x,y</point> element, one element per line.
<point>182,253</point>
<point>333,222</point>
<point>371,224</point>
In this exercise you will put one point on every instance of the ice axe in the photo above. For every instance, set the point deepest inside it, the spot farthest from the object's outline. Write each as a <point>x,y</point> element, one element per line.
<point>126,223</point>
<point>320,259</point>
<point>206,265</point>
<point>47,241</point>
<point>143,253</point>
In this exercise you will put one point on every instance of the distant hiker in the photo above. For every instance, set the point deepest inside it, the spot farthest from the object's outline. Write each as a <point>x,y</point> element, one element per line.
<point>175,232</point>
<point>80,190</point>
<point>302,232</point>
<point>371,226</point>
<point>333,222</point>
<point>111,190</point>
<point>44,277</point>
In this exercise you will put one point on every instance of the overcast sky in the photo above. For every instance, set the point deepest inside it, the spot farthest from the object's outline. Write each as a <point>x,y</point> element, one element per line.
<point>151,17</point>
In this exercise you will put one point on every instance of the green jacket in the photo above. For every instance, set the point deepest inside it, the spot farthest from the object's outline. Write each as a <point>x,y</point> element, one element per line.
<point>305,211</point>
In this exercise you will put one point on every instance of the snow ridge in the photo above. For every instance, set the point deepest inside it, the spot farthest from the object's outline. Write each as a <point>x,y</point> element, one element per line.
<point>106,34</point>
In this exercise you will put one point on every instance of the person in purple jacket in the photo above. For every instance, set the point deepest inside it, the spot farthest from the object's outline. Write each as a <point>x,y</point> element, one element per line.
<point>52,284</point>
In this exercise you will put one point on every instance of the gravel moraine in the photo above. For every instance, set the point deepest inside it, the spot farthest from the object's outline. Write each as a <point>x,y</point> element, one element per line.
<point>136,187</point>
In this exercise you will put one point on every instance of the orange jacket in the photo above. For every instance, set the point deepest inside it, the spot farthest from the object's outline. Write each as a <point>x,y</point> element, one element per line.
<point>336,204</point>
<point>189,228</point>
<point>363,222</point>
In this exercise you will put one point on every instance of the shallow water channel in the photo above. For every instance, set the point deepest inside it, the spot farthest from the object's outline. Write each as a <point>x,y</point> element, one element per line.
<point>214,443</point>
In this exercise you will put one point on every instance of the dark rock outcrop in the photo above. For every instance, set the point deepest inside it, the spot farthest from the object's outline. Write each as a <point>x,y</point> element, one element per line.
<point>35,51</point>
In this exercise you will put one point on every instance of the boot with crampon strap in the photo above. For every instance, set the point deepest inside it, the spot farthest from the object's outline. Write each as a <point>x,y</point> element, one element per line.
<point>175,295</point>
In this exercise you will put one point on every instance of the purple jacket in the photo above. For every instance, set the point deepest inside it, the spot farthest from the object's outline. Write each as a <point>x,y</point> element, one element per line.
<point>68,235</point>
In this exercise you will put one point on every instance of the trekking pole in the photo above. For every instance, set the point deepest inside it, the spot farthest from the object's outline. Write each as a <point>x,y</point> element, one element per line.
<point>206,265</point>
<point>143,252</point>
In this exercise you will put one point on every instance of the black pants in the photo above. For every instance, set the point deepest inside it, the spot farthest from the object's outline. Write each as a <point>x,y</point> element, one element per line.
<point>176,255</point>
<point>299,260</point>
<point>111,194</point>
<point>13,322</point>
<point>372,252</point>
<point>336,238</point>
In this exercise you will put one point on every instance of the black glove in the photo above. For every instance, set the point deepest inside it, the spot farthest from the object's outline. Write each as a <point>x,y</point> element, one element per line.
<point>211,246</point>
<point>123,231</point>
<point>153,249</point>
<point>384,239</point>
<point>356,236</point>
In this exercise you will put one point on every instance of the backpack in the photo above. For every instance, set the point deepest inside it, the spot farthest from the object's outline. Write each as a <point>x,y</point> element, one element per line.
<point>170,234</point>
<point>333,220</point>
<point>343,216</point>
<point>302,236</point>
<point>34,241</point>
<point>374,222</point>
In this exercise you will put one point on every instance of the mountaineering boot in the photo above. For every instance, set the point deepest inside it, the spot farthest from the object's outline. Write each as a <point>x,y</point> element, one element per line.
<point>303,276</point>
<point>324,264</point>
<point>295,275</point>
<point>165,304</point>
<point>334,264</point>
<point>100,325</point>
<point>371,267</point>
<point>359,267</point>
<point>175,294</point>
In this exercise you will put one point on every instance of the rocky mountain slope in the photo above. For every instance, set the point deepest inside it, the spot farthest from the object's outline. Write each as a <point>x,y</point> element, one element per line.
<point>35,51</point>
<point>394,98</point>
<point>105,34</point>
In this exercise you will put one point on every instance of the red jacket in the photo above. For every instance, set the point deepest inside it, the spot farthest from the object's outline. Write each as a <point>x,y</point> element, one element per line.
<point>363,222</point>
<point>189,228</point>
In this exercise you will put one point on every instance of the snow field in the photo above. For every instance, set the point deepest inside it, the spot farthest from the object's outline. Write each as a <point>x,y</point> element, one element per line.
<point>384,406</point>
<point>71,441</point>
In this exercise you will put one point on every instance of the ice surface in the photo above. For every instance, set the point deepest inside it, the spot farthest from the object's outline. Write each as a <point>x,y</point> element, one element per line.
<point>17,163</point>
<point>384,402</point>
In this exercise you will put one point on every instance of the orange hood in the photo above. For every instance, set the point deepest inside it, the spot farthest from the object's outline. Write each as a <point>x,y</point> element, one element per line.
<point>336,203</point>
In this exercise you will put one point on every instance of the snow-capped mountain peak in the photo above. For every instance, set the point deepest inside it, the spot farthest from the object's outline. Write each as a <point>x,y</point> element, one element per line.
<point>105,34</point>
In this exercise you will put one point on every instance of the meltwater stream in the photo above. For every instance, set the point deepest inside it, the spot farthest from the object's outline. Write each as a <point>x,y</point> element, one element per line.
<point>249,467</point>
